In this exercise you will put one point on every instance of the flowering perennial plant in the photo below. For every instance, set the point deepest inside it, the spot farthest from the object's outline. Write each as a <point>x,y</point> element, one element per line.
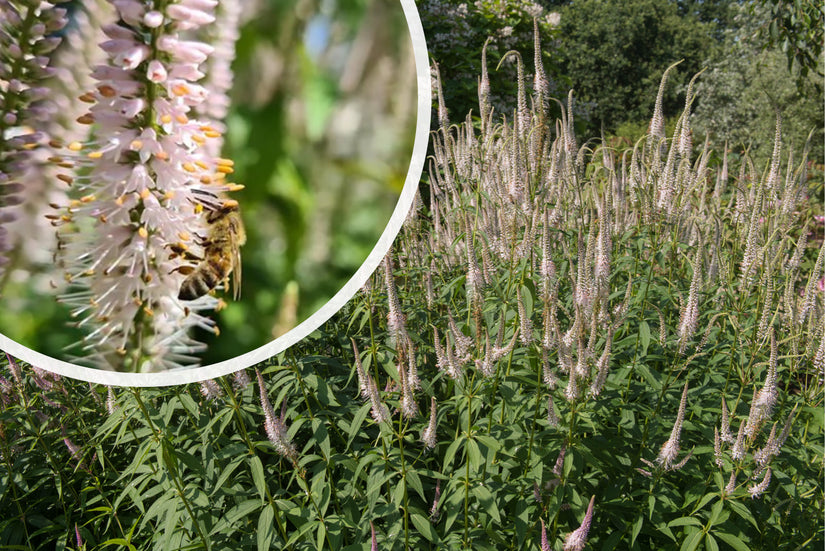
<point>571,309</point>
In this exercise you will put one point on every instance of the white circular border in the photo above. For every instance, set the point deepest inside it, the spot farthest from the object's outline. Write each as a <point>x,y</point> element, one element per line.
<point>183,376</point>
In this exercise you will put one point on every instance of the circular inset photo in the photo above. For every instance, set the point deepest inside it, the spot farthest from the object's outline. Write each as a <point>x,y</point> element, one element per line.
<point>189,188</point>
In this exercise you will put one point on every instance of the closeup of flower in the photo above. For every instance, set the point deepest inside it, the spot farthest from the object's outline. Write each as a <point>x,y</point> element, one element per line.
<point>140,189</point>
<point>28,34</point>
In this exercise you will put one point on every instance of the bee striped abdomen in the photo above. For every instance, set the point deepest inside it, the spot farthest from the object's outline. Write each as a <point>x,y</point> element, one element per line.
<point>221,255</point>
<point>211,272</point>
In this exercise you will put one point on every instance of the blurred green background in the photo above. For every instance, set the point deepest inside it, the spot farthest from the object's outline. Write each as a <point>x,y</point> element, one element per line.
<point>321,129</point>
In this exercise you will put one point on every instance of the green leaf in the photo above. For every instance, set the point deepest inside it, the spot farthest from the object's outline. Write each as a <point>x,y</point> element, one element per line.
<point>115,541</point>
<point>474,454</point>
<point>487,501</point>
<point>743,512</point>
<point>733,541</point>
<point>266,528</point>
<point>637,527</point>
<point>644,336</point>
<point>320,536</point>
<point>685,521</point>
<point>258,479</point>
<point>451,451</point>
<point>357,421</point>
<point>710,543</point>
<point>692,541</point>
<point>424,527</point>
<point>414,482</point>
<point>714,513</point>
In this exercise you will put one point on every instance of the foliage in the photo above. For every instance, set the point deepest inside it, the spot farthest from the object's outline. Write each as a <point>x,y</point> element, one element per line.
<point>743,87</point>
<point>614,54</point>
<point>797,27</point>
<point>457,31</point>
<point>560,325</point>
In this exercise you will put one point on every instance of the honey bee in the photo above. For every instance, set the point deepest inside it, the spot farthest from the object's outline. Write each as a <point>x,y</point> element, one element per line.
<point>221,254</point>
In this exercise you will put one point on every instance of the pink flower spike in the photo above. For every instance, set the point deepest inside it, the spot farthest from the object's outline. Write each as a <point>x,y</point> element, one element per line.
<point>545,545</point>
<point>758,489</point>
<point>575,540</point>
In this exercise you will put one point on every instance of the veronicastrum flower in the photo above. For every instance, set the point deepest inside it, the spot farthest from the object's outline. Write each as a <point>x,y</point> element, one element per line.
<point>28,34</point>
<point>140,189</point>
<point>575,540</point>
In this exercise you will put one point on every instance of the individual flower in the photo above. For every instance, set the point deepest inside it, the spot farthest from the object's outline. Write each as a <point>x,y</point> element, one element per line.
<point>396,321</point>
<point>525,323</point>
<point>690,312</point>
<point>575,540</point>
<point>140,188</point>
<point>545,545</point>
<point>409,408</point>
<point>240,379</point>
<point>428,436</point>
<point>552,418</point>
<point>28,34</point>
<point>558,467</point>
<point>434,508</point>
<point>670,449</point>
<point>731,486</point>
<point>369,390</point>
<point>111,401</point>
<point>758,489</point>
<point>275,427</point>
<point>210,389</point>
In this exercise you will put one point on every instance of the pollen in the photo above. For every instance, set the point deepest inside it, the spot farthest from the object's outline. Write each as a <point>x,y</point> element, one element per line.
<point>180,90</point>
<point>206,179</point>
<point>235,187</point>
<point>86,119</point>
<point>162,155</point>
<point>65,178</point>
<point>198,139</point>
<point>145,193</point>
<point>107,91</point>
<point>95,155</point>
<point>169,195</point>
<point>224,162</point>
<point>181,118</point>
<point>88,97</point>
<point>149,311</point>
<point>166,119</point>
<point>224,169</point>
<point>87,198</point>
<point>230,203</point>
<point>143,233</point>
<point>75,146</point>
<point>201,164</point>
<point>136,145</point>
<point>212,134</point>
<point>189,167</point>
<point>184,236</point>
